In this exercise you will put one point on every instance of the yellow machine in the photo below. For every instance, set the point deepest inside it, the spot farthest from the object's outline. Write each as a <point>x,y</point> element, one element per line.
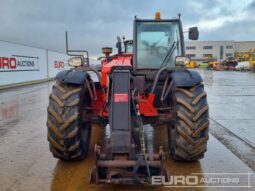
<point>242,56</point>
<point>246,56</point>
<point>191,64</point>
<point>212,62</point>
<point>252,58</point>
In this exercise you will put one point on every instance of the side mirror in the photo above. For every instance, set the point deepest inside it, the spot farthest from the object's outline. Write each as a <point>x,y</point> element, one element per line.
<point>193,33</point>
<point>118,45</point>
<point>181,61</point>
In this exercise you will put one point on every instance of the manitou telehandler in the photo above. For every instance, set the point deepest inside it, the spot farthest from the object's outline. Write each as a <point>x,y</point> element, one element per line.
<point>150,85</point>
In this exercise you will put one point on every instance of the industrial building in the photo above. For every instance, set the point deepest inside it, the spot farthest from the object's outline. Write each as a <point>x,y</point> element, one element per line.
<point>218,50</point>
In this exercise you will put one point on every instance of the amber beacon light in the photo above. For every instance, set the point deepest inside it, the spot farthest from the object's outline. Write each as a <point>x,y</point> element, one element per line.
<point>157,15</point>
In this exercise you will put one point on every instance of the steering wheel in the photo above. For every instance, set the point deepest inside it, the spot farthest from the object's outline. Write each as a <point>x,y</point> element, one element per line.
<point>159,51</point>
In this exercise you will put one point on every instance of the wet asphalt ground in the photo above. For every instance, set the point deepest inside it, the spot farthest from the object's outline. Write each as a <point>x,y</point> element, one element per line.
<point>26,163</point>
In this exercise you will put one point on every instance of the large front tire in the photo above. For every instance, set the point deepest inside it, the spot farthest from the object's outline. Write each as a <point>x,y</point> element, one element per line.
<point>68,132</point>
<point>188,136</point>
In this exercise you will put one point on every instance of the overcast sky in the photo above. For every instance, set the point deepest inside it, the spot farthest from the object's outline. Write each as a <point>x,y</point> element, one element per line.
<point>93,24</point>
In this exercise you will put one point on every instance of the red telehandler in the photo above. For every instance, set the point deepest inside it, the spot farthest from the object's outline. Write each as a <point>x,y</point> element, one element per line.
<point>145,84</point>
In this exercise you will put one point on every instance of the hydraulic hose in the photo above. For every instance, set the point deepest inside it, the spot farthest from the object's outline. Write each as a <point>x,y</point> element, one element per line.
<point>142,138</point>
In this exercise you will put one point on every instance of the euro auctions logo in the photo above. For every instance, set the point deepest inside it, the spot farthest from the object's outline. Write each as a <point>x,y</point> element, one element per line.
<point>59,64</point>
<point>8,63</point>
<point>216,180</point>
<point>18,63</point>
<point>175,180</point>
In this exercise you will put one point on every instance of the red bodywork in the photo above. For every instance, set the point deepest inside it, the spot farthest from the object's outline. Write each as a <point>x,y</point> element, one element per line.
<point>100,106</point>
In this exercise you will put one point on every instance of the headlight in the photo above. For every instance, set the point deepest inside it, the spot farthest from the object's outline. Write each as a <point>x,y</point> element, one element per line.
<point>75,61</point>
<point>181,61</point>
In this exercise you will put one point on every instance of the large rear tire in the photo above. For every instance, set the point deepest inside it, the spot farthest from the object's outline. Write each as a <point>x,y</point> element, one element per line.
<point>188,135</point>
<point>68,132</point>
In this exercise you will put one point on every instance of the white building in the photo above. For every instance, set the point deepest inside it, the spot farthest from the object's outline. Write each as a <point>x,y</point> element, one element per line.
<point>219,50</point>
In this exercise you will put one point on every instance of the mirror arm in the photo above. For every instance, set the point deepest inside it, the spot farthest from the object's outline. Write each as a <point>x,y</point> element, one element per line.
<point>79,52</point>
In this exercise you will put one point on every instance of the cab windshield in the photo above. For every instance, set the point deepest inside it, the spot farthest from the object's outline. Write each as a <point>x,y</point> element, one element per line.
<point>158,43</point>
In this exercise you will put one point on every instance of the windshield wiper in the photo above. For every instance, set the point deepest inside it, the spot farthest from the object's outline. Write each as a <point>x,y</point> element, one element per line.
<point>169,54</point>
